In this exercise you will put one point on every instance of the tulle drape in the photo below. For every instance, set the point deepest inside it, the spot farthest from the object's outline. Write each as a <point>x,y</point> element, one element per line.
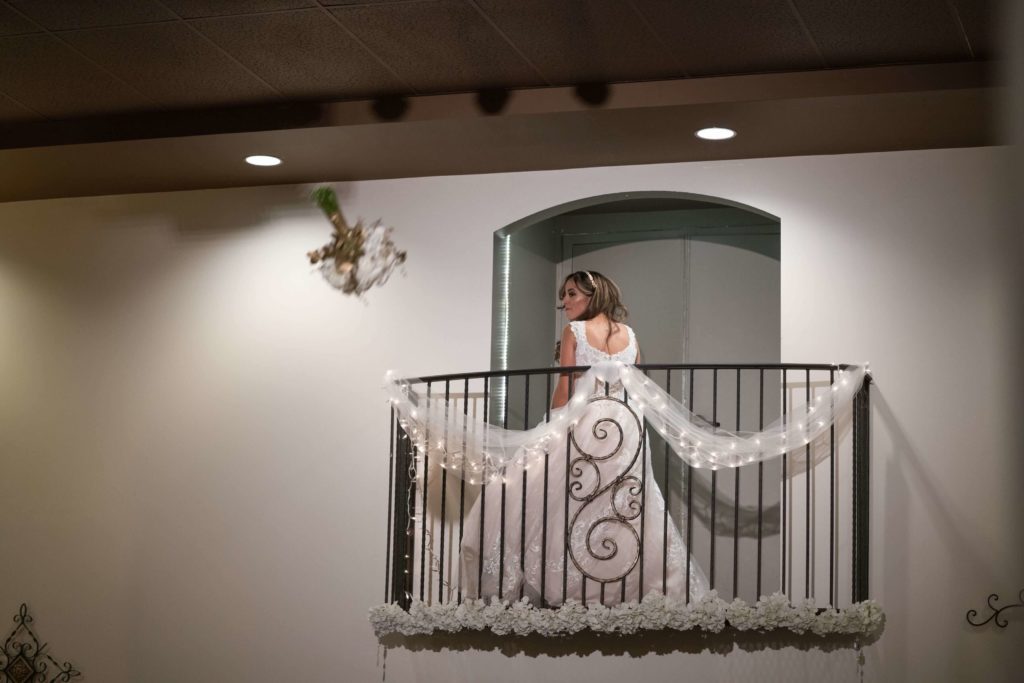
<point>479,452</point>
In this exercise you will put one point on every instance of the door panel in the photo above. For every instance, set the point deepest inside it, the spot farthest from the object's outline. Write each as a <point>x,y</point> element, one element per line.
<point>652,279</point>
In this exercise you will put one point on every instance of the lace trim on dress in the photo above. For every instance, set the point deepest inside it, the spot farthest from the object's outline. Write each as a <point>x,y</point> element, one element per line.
<point>579,330</point>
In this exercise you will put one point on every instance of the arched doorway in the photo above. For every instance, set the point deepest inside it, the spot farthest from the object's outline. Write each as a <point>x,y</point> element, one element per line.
<point>699,274</point>
<point>701,277</point>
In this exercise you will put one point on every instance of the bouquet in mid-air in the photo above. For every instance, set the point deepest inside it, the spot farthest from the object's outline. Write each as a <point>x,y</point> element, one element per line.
<point>358,256</point>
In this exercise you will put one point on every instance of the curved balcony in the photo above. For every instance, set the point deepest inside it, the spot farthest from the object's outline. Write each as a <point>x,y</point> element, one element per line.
<point>795,524</point>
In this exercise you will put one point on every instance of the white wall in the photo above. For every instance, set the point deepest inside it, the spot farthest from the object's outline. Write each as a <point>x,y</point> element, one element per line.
<point>193,476</point>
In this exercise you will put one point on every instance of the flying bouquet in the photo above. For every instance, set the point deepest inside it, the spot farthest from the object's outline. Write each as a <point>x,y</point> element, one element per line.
<point>358,256</point>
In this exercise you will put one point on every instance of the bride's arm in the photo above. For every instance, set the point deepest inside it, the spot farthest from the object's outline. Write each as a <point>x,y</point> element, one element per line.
<point>566,359</point>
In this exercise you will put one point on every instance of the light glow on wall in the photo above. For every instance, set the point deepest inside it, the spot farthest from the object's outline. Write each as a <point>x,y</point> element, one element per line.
<point>504,263</point>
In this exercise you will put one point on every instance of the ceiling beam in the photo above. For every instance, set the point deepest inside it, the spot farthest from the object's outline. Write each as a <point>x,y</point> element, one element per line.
<point>819,112</point>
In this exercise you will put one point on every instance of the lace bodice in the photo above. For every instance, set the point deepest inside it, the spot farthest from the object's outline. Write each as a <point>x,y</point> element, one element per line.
<point>588,355</point>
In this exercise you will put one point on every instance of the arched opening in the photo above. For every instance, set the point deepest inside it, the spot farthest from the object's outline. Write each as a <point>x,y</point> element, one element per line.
<point>701,278</point>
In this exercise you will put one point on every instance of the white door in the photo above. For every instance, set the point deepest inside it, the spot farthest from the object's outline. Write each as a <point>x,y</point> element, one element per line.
<point>692,299</point>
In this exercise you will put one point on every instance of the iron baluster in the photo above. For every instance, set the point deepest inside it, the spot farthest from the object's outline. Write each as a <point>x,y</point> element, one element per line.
<point>831,494</point>
<point>423,514</point>
<point>483,500</point>
<point>689,502</point>
<point>784,511</point>
<point>736,505</point>
<point>522,515</point>
<point>462,479</point>
<point>760,479</point>
<point>807,490</point>
<point>714,478</point>
<point>444,499</point>
<point>391,478</point>
<point>664,519</point>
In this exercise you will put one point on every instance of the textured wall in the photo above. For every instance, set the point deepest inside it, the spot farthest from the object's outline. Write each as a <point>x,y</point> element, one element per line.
<point>193,441</point>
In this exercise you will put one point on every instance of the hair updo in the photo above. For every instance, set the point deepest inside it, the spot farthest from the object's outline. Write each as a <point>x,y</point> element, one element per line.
<point>605,296</point>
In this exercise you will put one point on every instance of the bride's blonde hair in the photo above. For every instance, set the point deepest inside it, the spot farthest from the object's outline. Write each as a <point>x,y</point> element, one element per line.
<point>605,295</point>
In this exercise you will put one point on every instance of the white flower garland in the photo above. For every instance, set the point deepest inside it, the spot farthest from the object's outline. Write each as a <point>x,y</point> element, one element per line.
<point>654,612</point>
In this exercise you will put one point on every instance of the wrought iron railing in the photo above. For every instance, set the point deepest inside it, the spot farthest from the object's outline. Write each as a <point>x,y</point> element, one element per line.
<point>797,524</point>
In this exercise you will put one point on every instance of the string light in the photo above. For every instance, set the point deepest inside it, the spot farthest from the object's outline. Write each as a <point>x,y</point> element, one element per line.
<point>677,426</point>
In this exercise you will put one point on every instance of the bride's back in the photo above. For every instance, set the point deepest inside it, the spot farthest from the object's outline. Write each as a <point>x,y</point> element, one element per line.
<point>597,341</point>
<point>610,339</point>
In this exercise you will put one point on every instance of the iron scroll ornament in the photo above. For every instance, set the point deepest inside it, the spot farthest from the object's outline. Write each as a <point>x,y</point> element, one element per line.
<point>24,659</point>
<point>617,514</point>
<point>996,611</point>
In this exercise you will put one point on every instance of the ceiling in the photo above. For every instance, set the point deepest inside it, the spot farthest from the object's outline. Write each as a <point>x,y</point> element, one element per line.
<point>163,92</point>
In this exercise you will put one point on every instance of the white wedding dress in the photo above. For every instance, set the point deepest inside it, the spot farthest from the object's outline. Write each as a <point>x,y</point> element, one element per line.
<point>598,474</point>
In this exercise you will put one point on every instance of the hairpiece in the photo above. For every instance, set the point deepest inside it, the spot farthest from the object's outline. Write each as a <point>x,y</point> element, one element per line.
<point>591,278</point>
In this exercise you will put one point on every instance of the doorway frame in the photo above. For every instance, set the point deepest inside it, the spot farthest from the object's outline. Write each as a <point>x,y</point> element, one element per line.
<point>501,267</point>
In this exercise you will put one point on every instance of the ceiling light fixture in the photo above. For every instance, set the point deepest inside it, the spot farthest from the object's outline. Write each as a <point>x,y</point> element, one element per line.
<point>715,133</point>
<point>262,160</point>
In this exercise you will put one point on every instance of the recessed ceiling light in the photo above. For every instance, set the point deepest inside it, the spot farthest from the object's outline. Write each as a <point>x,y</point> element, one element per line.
<point>716,133</point>
<point>262,160</point>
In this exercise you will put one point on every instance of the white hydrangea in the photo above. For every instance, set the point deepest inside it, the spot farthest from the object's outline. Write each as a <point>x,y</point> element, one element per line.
<point>742,616</point>
<point>499,618</point>
<point>803,616</point>
<point>709,612</point>
<point>570,617</point>
<point>827,622</point>
<point>655,612</point>
<point>773,611</point>
<point>521,615</point>
<point>471,614</point>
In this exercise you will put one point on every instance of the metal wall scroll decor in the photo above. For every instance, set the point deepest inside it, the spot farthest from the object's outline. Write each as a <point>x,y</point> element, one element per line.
<point>24,659</point>
<point>997,612</point>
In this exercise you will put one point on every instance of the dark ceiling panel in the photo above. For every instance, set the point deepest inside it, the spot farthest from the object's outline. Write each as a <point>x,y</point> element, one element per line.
<point>48,76</point>
<point>438,46</point>
<point>719,37</point>
<point>980,19</point>
<point>576,41</point>
<point>360,2</point>
<point>58,15</point>
<point>869,32</point>
<point>12,23</point>
<point>219,8</point>
<point>171,64</point>
<point>302,54</point>
<point>468,142</point>
<point>241,52</point>
<point>11,111</point>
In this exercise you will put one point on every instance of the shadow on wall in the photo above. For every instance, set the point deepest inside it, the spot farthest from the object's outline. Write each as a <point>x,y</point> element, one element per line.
<point>101,224</point>
<point>120,243</point>
<point>217,212</point>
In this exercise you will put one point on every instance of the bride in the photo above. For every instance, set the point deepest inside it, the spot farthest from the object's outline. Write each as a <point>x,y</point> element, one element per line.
<point>595,486</point>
